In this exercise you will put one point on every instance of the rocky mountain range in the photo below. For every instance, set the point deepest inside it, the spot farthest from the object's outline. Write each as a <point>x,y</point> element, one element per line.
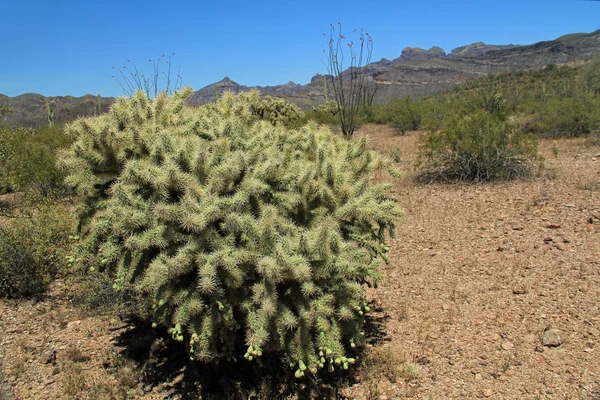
<point>416,73</point>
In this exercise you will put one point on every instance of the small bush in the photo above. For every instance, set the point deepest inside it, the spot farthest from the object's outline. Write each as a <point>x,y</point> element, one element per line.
<point>247,238</point>
<point>396,155</point>
<point>33,250</point>
<point>487,96</point>
<point>95,292</point>
<point>402,115</point>
<point>28,159</point>
<point>406,116</point>
<point>477,147</point>
<point>325,114</point>
<point>590,76</point>
<point>566,117</point>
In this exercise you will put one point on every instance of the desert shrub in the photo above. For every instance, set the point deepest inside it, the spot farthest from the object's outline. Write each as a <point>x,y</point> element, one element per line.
<point>395,155</point>
<point>277,111</point>
<point>94,292</point>
<point>325,114</point>
<point>477,147</point>
<point>4,109</point>
<point>435,113</point>
<point>486,95</point>
<point>403,115</point>
<point>28,159</point>
<point>240,233</point>
<point>407,117</point>
<point>33,248</point>
<point>566,117</point>
<point>590,76</point>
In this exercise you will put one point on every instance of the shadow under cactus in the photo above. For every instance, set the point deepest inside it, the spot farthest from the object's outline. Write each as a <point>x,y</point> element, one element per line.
<point>164,362</point>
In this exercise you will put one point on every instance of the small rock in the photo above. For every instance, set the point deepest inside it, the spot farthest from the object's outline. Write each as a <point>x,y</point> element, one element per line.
<point>553,226</point>
<point>508,346</point>
<point>547,239</point>
<point>590,227</point>
<point>478,377</point>
<point>552,338</point>
<point>487,392</point>
<point>539,349</point>
<point>588,350</point>
<point>73,324</point>
<point>519,289</point>
<point>383,398</point>
<point>50,357</point>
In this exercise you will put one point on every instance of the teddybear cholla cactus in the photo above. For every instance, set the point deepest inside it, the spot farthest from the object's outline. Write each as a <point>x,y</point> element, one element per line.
<point>276,110</point>
<point>238,230</point>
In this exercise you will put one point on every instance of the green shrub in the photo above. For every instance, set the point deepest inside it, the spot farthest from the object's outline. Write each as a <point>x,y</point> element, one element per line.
<point>590,76</point>
<point>486,95</point>
<point>239,232</point>
<point>405,116</point>
<point>326,114</point>
<point>33,250</point>
<point>477,147</point>
<point>4,109</point>
<point>566,117</point>
<point>396,155</point>
<point>94,292</point>
<point>28,159</point>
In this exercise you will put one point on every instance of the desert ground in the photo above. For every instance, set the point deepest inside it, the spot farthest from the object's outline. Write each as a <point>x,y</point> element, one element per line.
<point>492,291</point>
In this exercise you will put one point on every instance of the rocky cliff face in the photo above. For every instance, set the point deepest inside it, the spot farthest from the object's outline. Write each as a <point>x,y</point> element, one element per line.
<point>415,53</point>
<point>477,49</point>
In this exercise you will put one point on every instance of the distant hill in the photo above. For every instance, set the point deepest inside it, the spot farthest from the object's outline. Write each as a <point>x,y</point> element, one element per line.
<point>30,109</point>
<point>416,73</point>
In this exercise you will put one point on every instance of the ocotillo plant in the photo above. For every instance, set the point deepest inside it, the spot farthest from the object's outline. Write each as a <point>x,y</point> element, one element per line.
<point>132,80</point>
<point>352,87</point>
<point>243,234</point>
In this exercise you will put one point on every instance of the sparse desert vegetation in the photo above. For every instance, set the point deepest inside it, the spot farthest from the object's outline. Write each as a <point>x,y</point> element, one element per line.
<point>241,250</point>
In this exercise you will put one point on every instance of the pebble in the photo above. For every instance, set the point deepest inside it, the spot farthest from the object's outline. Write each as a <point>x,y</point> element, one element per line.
<point>552,338</point>
<point>487,392</point>
<point>508,346</point>
<point>519,289</point>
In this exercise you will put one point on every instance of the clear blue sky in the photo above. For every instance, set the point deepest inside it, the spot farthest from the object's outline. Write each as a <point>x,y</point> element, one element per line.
<point>62,47</point>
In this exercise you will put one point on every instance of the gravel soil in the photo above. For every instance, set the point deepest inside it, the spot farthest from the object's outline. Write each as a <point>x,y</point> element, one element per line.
<point>493,291</point>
